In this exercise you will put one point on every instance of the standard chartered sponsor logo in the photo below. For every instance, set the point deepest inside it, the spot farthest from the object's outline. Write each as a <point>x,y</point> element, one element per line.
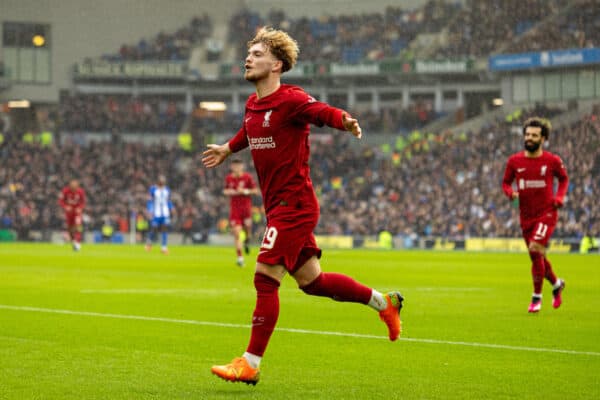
<point>534,184</point>
<point>259,143</point>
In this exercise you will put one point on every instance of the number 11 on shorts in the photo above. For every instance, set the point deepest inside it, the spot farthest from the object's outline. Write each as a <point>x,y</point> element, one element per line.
<point>540,232</point>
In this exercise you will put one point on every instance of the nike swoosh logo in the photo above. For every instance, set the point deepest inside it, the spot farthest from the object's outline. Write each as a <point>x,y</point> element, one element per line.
<point>263,251</point>
<point>247,119</point>
<point>520,169</point>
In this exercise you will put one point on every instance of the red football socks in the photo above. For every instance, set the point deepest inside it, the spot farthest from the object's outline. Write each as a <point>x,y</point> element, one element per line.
<point>537,271</point>
<point>549,273</point>
<point>265,314</point>
<point>338,287</point>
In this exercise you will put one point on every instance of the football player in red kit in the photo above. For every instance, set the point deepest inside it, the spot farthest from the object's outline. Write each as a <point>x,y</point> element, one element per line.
<point>72,201</point>
<point>534,171</point>
<point>276,129</point>
<point>240,186</point>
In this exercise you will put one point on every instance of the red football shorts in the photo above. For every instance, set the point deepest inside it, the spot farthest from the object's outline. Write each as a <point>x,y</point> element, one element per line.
<point>539,230</point>
<point>289,238</point>
<point>73,219</point>
<point>237,216</point>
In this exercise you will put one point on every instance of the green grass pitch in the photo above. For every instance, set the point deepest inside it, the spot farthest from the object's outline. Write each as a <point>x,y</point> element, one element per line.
<point>115,322</point>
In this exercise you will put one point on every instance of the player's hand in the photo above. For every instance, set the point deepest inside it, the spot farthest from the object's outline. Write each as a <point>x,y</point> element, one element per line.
<point>215,154</point>
<point>351,125</point>
<point>558,203</point>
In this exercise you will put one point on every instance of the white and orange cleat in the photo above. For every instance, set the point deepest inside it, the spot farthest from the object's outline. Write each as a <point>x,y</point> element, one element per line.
<point>237,371</point>
<point>391,315</point>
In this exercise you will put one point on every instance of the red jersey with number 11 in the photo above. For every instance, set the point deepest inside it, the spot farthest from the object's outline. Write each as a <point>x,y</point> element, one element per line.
<point>535,183</point>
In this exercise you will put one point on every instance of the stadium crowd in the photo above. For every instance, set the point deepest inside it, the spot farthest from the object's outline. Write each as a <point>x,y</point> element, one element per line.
<point>576,27</point>
<point>436,185</point>
<point>175,46</point>
<point>164,114</point>
<point>348,38</point>
<point>433,185</point>
<point>452,189</point>
<point>471,29</point>
<point>119,113</point>
<point>483,27</point>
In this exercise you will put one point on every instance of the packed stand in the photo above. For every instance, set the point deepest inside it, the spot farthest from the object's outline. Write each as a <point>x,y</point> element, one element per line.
<point>577,27</point>
<point>483,27</point>
<point>115,176</point>
<point>347,38</point>
<point>120,113</point>
<point>449,185</point>
<point>174,46</point>
<point>388,119</point>
<point>442,185</point>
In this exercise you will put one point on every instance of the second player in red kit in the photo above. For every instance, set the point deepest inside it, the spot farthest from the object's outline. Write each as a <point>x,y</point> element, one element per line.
<point>72,200</point>
<point>240,186</point>
<point>533,172</point>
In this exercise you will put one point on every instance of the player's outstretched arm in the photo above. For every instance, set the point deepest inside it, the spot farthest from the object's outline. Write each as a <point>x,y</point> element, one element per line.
<point>351,125</point>
<point>215,154</point>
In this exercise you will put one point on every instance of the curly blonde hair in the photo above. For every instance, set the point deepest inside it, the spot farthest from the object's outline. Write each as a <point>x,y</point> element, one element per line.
<point>281,45</point>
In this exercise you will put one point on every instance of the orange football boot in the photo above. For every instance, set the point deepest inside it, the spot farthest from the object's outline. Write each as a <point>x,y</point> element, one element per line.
<point>391,315</point>
<point>237,371</point>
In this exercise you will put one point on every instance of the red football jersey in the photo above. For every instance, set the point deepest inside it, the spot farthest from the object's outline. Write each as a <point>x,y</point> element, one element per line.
<point>535,183</point>
<point>276,129</point>
<point>72,198</point>
<point>244,181</point>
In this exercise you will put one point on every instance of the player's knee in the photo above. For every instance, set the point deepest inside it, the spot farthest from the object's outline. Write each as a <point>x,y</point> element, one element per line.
<point>314,287</point>
<point>535,247</point>
<point>265,284</point>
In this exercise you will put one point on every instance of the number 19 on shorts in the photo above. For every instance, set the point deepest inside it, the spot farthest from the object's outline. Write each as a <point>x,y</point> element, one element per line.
<point>269,238</point>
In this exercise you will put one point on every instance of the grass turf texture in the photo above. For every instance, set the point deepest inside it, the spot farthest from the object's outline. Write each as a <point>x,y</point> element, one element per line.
<point>466,303</point>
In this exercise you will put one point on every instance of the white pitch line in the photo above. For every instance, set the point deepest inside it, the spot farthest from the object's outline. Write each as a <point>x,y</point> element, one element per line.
<point>293,330</point>
<point>156,291</point>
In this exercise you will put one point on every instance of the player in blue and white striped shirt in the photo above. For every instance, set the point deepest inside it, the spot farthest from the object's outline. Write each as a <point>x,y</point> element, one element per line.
<point>160,209</point>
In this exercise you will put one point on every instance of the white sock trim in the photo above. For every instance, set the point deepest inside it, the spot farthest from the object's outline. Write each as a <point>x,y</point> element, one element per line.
<point>252,359</point>
<point>557,283</point>
<point>377,301</point>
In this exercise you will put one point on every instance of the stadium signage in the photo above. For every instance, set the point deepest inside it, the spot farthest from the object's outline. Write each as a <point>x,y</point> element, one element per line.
<point>353,69</point>
<point>392,67</point>
<point>130,70</point>
<point>441,67</point>
<point>544,59</point>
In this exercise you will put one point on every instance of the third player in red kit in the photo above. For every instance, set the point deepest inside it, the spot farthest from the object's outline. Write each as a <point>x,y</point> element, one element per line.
<point>72,201</point>
<point>276,129</point>
<point>240,186</point>
<point>534,171</point>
